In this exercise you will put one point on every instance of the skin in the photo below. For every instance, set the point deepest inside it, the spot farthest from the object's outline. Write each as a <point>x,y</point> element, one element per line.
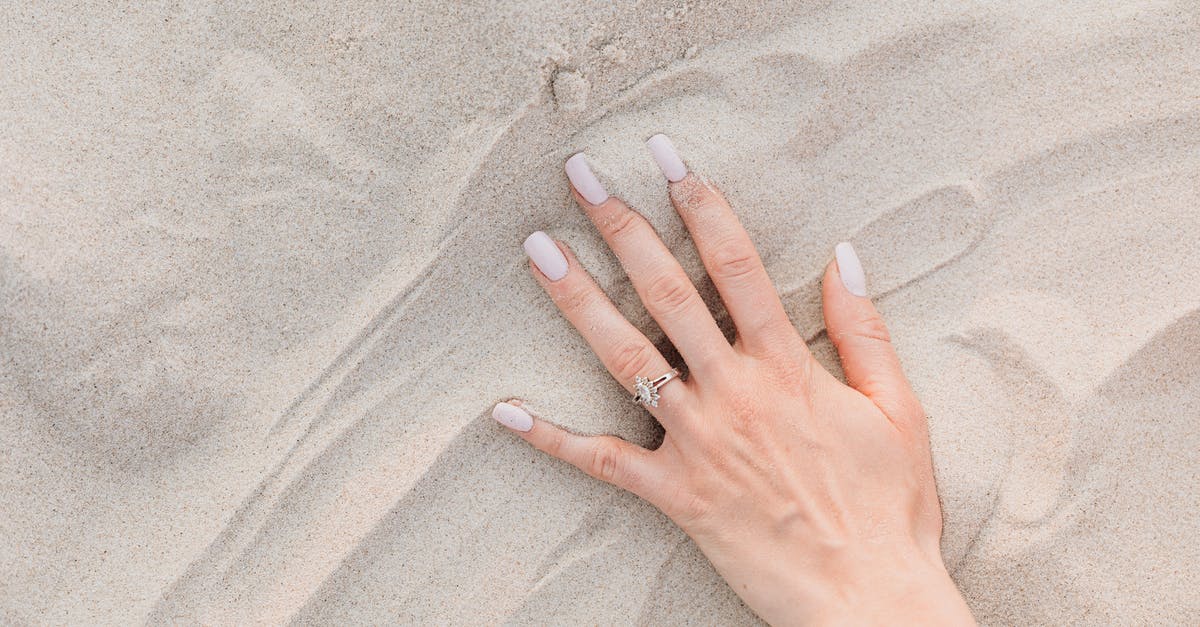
<point>813,498</point>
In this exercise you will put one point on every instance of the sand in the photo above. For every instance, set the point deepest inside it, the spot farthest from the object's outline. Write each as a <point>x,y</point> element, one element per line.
<point>261,283</point>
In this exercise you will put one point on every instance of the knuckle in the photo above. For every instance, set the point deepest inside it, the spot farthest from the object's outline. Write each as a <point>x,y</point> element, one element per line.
<point>669,293</point>
<point>631,360</point>
<point>871,326</point>
<point>873,385</point>
<point>742,414</point>
<point>556,444</point>
<point>624,222</point>
<point>868,326</point>
<point>605,461</point>
<point>731,262</point>
<point>792,372</point>
<point>689,509</point>
<point>695,195</point>
<point>577,299</point>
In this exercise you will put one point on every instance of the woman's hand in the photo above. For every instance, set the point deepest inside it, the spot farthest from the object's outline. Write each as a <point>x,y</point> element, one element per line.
<point>814,499</point>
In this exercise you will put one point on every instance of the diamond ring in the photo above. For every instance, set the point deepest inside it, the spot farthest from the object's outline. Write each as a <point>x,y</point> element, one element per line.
<point>645,391</point>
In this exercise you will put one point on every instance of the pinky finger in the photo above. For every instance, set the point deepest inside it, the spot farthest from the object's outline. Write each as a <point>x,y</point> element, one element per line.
<point>604,457</point>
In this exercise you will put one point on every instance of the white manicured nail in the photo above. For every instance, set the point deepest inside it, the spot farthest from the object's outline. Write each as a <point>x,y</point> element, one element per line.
<point>851,269</point>
<point>512,417</point>
<point>546,255</point>
<point>584,180</point>
<point>667,158</point>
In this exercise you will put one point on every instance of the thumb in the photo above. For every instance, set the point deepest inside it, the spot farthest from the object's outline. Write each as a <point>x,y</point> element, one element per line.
<point>863,343</point>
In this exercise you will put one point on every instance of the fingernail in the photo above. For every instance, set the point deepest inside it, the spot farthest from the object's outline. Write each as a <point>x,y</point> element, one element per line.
<point>668,160</point>
<point>546,255</point>
<point>584,180</point>
<point>851,270</point>
<point>512,417</point>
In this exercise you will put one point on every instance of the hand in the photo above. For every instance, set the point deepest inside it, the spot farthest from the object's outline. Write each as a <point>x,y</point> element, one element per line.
<point>815,500</point>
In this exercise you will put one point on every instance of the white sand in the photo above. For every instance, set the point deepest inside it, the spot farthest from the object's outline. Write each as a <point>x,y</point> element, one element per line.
<point>262,282</point>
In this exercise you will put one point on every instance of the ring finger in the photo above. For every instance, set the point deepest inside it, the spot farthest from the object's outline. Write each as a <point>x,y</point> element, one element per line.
<point>623,350</point>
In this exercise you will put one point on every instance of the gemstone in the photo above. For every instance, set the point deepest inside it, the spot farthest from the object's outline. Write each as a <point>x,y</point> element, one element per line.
<point>644,393</point>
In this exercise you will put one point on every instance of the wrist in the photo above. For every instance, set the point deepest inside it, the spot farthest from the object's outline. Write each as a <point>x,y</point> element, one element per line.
<point>892,587</point>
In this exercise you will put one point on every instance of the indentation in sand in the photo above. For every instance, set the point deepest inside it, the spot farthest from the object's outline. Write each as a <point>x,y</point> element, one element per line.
<point>262,283</point>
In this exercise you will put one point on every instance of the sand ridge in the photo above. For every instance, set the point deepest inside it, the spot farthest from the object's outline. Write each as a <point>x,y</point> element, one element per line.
<point>260,290</point>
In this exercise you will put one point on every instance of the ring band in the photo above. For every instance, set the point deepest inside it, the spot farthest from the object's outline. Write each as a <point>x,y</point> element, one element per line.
<point>645,391</point>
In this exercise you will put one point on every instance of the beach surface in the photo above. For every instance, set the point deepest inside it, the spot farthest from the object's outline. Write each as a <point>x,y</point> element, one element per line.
<point>261,283</point>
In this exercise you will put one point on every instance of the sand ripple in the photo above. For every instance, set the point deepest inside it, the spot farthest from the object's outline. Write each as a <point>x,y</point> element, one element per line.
<point>262,286</point>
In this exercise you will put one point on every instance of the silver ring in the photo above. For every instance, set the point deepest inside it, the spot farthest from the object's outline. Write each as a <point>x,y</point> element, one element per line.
<point>645,391</point>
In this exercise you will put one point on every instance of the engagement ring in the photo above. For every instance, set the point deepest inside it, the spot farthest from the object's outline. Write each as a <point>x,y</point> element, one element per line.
<point>645,391</point>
